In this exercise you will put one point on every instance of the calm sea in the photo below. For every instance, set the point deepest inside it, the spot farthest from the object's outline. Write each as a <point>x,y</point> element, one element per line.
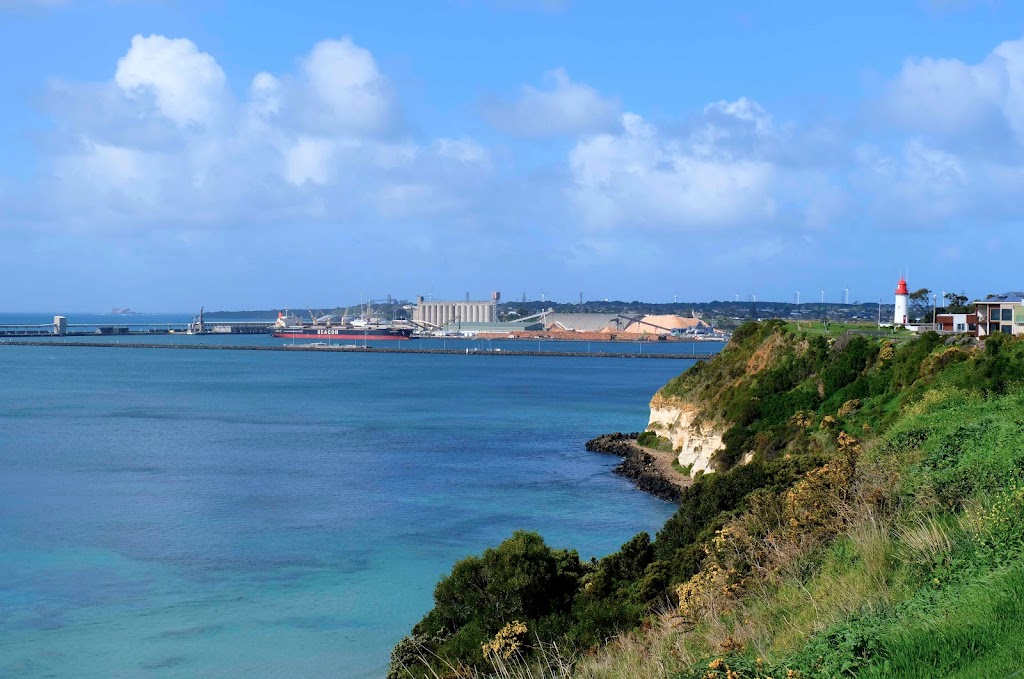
<point>266,514</point>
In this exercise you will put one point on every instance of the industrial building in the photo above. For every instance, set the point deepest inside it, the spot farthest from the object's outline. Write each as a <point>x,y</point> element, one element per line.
<point>440,314</point>
<point>616,324</point>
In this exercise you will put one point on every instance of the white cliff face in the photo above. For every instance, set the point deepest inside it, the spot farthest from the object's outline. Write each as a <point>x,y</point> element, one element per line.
<point>695,441</point>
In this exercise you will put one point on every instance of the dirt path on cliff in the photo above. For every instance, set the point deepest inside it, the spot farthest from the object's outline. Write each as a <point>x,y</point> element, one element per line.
<point>663,461</point>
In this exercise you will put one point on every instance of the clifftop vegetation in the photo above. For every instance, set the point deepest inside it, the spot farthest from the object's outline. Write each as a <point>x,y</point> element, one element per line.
<point>876,532</point>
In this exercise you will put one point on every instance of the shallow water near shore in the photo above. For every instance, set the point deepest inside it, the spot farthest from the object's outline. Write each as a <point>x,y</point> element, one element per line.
<point>259,514</point>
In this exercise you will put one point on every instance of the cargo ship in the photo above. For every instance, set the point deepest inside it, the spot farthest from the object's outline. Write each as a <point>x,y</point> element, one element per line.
<point>325,328</point>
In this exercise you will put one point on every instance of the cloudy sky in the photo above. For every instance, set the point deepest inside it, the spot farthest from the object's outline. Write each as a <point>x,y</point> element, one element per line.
<point>167,154</point>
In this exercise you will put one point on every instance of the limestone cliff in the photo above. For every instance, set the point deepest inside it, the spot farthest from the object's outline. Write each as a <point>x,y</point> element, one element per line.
<point>695,440</point>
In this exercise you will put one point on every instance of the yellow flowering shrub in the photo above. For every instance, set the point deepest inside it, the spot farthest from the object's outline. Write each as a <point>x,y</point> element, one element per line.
<point>886,352</point>
<point>850,407</point>
<point>507,642</point>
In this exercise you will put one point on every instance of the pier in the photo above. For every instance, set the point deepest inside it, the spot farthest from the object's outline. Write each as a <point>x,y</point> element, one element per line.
<point>61,328</point>
<point>353,349</point>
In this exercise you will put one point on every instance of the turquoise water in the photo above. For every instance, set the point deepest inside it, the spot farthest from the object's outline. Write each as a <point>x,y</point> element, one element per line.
<point>259,514</point>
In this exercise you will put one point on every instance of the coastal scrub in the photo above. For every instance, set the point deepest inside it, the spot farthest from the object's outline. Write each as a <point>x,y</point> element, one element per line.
<point>866,485</point>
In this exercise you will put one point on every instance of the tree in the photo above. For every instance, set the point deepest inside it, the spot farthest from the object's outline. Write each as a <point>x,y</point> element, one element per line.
<point>921,305</point>
<point>958,304</point>
<point>521,580</point>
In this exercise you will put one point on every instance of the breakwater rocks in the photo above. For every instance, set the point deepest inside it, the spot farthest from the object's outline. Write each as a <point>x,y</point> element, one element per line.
<point>349,349</point>
<point>637,465</point>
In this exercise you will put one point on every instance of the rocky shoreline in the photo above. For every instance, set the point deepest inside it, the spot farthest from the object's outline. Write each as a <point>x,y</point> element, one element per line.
<point>637,465</point>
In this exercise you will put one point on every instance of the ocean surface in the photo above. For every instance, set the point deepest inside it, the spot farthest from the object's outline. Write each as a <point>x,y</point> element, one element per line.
<point>269,514</point>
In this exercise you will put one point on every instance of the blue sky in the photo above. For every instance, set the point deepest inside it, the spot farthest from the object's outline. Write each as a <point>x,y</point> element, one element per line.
<point>168,154</point>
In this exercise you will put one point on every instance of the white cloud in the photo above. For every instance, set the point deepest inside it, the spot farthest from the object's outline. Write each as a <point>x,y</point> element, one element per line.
<point>920,183</point>
<point>186,85</point>
<point>164,144</point>
<point>643,178</point>
<point>960,158</point>
<point>309,160</point>
<point>562,108</point>
<point>464,150</point>
<point>727,169</point>
<point>980,105</point>
<point>924,186</point>
<point>341,90</point>
<point>265,95</point>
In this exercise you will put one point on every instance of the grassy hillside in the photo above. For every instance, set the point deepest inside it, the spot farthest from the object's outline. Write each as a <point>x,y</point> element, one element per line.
<point>877,532</point>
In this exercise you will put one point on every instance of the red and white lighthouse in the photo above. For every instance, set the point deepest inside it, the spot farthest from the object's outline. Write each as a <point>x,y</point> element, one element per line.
<point>902,303</point>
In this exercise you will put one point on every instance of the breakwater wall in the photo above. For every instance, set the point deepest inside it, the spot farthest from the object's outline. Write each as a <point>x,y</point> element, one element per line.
<point>344,350</point>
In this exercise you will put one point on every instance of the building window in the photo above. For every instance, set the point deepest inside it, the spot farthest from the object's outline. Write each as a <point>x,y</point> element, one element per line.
<point>1008,329</point>
<point>959,327</point>
<point>972,327</point>
<point>1007,314</point>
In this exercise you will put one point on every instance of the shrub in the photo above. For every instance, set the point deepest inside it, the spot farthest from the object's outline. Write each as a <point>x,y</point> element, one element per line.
<point>704,501</point>
<point>847,364</point>
<point>520,580</point>
<point>651,439</point>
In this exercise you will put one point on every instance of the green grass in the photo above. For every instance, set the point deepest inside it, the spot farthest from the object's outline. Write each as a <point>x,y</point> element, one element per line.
<point>973,631</point>
<point>685,471</point>
<point>934,588</point>
<point>818,328</point>
<point>834,329</point>
<point>651,439</point>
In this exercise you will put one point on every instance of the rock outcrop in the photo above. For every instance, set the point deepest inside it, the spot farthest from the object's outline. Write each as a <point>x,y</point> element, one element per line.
<point>694,439</point>
<point>637,465</point>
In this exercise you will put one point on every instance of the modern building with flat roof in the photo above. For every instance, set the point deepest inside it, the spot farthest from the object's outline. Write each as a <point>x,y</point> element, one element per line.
<point>1000,313</point>
<point>957,323</point>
